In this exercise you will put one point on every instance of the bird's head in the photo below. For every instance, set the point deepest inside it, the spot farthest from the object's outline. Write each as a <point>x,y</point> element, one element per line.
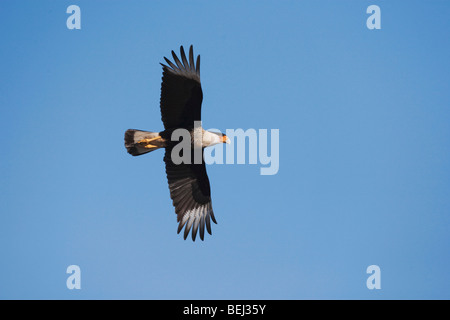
<point>213,138</point>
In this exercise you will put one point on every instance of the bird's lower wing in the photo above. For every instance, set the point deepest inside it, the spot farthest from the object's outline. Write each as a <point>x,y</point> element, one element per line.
<point>191,195</point>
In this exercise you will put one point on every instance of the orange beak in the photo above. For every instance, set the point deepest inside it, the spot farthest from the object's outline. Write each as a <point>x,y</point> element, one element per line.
<point>225,139</point>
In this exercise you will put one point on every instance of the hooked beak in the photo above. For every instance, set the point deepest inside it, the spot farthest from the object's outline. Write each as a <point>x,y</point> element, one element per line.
<point>225,139</point>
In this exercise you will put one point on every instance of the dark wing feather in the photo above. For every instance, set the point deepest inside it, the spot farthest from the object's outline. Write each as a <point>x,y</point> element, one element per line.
<point>181,91</point>
<point>191,195</point>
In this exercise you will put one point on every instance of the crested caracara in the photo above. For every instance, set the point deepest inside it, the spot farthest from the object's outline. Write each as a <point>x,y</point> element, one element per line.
<point>180,103</point>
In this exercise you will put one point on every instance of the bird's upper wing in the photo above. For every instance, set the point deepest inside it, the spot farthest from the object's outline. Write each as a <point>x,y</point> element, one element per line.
<point>181,91</point>
<point>191,195</point>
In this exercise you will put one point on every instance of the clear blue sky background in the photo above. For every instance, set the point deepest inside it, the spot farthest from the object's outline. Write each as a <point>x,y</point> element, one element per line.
<point>364,150</point>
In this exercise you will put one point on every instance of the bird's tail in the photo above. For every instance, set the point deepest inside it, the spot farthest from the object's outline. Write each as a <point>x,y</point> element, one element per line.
<point>140,142</point>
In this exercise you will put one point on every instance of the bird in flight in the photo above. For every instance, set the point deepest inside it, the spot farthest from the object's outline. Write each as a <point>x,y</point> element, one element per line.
<point>180,104</point>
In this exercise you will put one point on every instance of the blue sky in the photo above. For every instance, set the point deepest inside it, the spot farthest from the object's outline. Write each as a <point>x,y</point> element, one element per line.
<point>364,176</point>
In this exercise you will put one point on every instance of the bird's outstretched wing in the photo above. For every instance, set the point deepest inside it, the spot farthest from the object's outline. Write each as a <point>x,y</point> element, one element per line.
<point>191,195</point>
<point>181,91</point>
